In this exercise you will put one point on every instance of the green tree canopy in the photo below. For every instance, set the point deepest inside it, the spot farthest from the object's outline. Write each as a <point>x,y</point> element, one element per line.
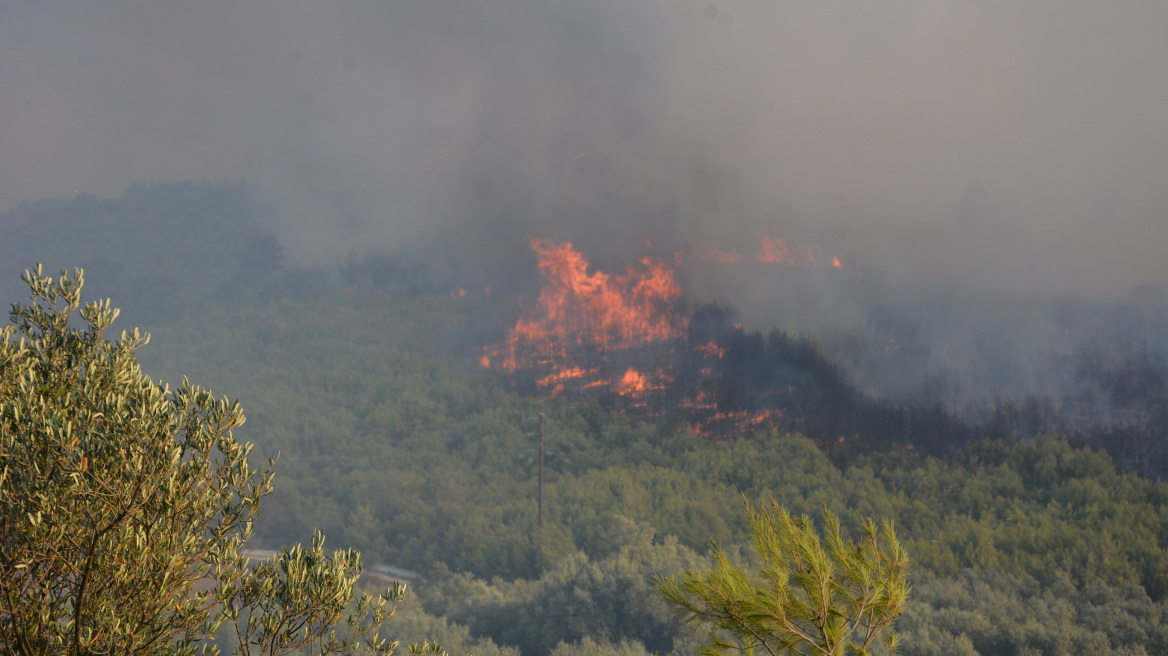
<point>810,596</point>
<point>124,507</point>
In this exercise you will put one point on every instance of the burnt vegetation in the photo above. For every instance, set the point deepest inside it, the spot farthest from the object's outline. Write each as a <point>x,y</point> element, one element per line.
<point>723,381</point>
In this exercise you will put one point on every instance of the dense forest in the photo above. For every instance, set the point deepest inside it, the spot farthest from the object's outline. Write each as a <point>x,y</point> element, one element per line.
<point>363,381</point>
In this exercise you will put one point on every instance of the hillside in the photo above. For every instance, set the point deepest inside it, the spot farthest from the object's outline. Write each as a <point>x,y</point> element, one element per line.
<point>392,439</point>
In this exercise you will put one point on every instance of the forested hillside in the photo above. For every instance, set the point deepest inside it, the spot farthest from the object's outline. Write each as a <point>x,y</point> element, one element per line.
<point>394,441</point>
<point>160,251</point>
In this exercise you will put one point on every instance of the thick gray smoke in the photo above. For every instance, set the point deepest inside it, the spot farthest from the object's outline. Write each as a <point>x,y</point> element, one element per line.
<point>947,150</point>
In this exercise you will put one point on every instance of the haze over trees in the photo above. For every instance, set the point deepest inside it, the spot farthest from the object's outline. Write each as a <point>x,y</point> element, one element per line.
<point>392,441</point>
<point>528,299</point>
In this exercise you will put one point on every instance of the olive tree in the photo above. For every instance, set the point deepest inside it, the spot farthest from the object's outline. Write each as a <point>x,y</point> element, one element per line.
<point>124,507</point>
<point>810,595</point>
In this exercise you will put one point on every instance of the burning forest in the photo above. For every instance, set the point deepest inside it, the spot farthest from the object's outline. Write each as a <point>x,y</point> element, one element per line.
<point>912,371</point>
<point>843,255</point>
<point>633,342</point>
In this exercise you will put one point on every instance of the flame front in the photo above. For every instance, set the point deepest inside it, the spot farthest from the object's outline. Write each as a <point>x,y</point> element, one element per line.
<point>624,339</point>
<point>632,383</point>
<point>773,250</point>
<point>578,310</point>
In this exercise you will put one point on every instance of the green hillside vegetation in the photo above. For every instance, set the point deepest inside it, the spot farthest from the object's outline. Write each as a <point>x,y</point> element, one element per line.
<point>391,440</point>
<point>991,613</point>
<point>158,250</point>
<point>427,463</point>
<point>420,460</point>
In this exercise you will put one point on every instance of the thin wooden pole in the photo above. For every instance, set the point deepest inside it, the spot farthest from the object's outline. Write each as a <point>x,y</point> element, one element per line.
<point>541,471</point>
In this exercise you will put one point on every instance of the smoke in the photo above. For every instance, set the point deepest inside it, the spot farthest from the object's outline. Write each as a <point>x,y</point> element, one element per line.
<point>949,153</point>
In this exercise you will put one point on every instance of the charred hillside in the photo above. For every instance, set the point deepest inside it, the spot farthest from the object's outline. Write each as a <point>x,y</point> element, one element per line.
<point>722,382</point>
<point>634,343</point>
<point>630,341</point>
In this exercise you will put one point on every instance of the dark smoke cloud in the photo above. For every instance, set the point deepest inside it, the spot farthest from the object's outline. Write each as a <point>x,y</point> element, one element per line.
<point>511,116</point>
<point>610,121</point>
<point>940,149</point>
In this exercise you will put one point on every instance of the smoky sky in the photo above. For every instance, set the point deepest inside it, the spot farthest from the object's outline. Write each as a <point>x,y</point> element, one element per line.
<point>995,146</point>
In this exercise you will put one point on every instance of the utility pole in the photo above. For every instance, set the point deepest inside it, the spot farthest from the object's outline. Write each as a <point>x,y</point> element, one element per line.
<point>541,471</point>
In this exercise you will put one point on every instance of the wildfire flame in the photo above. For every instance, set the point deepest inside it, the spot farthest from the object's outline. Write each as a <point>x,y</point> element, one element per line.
<point>632,383</point>
<point>581,310</point>
<point>776,251</point>
<point>622,337</point>
<point>773,250</point>
<point>712,350</point>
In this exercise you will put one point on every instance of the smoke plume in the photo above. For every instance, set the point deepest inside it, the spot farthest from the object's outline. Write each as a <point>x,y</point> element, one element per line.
<point>968,164</point>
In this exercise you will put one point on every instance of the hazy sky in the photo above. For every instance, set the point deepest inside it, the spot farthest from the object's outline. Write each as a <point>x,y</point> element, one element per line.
<point>1001,143</point>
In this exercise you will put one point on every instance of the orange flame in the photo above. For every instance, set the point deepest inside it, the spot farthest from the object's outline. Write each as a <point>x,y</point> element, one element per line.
<point>632,383</point>
<point>835,262</point>
<point>712,350</point>
<point>578,309</point>
<point>561,375</point>
<point>585,321</point>
<point>735,422</point>
<point>773,250</point>
<point>776,251</point>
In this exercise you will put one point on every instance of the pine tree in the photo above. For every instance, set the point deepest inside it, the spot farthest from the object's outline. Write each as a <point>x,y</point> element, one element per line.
<point>811,596</point>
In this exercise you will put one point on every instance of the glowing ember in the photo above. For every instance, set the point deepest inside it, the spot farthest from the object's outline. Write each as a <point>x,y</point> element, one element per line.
<point>776,251</point>
<point>712,350</point>
<point>773,250</point>
<point>734,423</point>
<point>562,375</point>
